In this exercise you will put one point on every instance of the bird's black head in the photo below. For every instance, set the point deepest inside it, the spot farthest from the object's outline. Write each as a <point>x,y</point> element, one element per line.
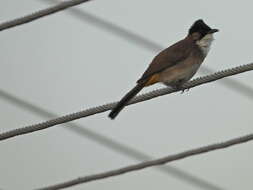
<point>202,28</point>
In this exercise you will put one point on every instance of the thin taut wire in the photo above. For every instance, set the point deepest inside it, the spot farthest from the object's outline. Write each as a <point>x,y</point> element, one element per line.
<point>42,13</point>
<point>160,161</point>
<point>169,170</point>
<point>140,98</point>
<point>110,143</point>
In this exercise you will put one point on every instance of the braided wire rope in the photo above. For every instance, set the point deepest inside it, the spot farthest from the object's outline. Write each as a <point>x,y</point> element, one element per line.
<point>41,13</point>
<point>156,162</point>
<point>140,98</point>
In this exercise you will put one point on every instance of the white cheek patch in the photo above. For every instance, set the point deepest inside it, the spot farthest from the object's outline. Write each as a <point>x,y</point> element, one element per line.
<point>205,43</point>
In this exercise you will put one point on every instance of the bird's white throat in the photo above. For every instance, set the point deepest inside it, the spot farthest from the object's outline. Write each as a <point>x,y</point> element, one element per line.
<point>205,43</point>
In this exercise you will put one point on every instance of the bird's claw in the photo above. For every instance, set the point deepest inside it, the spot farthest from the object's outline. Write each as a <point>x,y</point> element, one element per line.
<point>185,90</point>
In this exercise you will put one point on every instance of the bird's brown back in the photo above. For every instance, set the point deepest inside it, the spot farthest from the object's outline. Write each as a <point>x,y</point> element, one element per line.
<point>168,57</point>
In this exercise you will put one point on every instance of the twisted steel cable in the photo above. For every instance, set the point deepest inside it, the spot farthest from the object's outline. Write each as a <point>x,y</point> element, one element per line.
<point>140,98</point>
<point>36,15</point>
<point>160,161</point>
<point>112,144</point>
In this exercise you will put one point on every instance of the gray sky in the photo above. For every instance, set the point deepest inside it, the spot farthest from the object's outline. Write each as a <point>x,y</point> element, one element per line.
<point>63,65</point>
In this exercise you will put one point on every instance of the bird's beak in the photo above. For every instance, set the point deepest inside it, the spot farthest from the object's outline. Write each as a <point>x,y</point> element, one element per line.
<point>213,31</point>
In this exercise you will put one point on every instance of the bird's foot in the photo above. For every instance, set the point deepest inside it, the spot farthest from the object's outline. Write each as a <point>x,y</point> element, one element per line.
<point>185,90</point>
<point>178,88</point>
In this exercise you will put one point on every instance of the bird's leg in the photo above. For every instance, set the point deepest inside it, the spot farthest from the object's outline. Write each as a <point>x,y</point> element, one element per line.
<point>177,86</point>
<point>185,90</point>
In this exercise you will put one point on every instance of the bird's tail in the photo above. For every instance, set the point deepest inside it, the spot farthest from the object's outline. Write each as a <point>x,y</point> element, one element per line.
<point>122,103</point>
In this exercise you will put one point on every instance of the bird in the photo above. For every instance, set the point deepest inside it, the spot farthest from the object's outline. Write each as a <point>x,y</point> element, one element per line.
<point>174,65</point>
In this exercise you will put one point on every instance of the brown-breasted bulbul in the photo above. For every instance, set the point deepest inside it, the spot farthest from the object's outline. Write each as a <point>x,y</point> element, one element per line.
<point>176,64</point>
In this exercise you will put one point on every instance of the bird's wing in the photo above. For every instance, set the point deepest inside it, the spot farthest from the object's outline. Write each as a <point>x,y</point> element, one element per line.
<point>168,58</point>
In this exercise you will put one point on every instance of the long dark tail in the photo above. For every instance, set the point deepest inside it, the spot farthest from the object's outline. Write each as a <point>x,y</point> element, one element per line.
<point>122,103</point>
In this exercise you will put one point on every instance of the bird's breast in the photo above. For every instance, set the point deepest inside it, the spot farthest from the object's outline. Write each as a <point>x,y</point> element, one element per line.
<point>182,71</point>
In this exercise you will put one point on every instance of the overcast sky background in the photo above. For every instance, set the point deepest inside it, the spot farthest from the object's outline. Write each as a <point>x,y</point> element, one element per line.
<point>63,64</point>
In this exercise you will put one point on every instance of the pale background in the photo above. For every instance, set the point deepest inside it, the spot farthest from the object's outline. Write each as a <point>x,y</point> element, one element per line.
<point>64,64</point>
